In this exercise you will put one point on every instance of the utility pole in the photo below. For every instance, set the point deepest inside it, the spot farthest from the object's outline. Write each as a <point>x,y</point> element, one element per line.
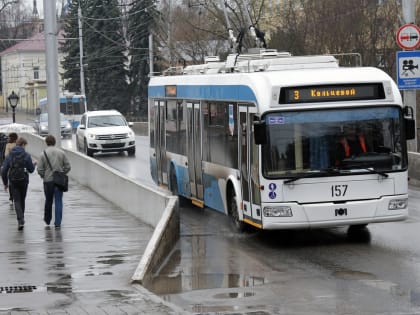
<point>151,69</point>
<point>409,96</point>
<point>82,73</point>
<point>50,21</point>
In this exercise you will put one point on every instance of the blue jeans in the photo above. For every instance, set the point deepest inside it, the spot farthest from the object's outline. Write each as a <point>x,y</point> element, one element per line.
<point>53,194</point>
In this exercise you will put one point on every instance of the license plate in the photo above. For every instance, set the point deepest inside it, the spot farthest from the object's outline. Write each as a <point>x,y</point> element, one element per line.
<point>113,141</point>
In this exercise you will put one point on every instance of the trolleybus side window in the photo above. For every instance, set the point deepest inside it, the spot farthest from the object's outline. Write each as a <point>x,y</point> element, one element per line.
<point>175,127</point>
<point>220,136</point>
<point>152,113</point>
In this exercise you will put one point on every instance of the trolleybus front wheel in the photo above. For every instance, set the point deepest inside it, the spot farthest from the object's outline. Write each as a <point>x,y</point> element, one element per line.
<point>234,214</point>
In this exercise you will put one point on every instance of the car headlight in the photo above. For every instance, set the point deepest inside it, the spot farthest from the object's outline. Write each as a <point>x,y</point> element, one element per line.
<point>43,127</point>
<point>68,126</point>
<point>277,211</point>
<point>131,134</point>
<point>92,136</point>
<point>398,204</point>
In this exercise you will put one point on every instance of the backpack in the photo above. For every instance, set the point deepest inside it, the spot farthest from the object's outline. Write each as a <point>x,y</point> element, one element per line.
<point>17,170</point>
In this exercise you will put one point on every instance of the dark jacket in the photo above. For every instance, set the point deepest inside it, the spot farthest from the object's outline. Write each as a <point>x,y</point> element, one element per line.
<point>16,151</point>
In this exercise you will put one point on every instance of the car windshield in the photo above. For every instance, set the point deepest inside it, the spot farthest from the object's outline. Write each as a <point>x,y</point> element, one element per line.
<point>349,140</point>
<point>106,121</point>
<point>44,117</point>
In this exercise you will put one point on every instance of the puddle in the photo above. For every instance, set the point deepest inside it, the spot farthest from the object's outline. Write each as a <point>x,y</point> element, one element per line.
<point>165,284</point>
<point>234,295</point>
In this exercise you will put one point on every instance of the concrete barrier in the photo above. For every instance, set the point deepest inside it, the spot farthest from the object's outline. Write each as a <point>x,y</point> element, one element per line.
<point>151,206</point>
<point>414,168</point>
<point>141,128</point>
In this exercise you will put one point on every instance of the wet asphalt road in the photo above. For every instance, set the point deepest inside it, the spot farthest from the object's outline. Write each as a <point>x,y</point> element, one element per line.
<point>328,271</point>
<point>83,268</point>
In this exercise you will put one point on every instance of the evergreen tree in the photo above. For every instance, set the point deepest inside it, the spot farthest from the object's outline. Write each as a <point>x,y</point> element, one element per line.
<point>141,22</point>
<point>71,49</point>
<point>105,48</point>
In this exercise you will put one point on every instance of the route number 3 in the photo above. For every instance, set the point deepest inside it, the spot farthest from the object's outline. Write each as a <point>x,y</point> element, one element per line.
<point>338,190</point>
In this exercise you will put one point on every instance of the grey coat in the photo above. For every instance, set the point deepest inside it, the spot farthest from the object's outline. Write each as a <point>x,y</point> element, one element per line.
<point>58,160</point>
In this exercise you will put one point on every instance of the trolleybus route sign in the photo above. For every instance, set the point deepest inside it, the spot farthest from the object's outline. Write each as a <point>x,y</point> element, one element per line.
<point>408,36</point>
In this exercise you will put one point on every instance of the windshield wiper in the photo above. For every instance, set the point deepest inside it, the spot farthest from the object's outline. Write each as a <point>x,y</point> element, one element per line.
<point>333,171</point>
<point>325,171</point>
<point>373,171</point>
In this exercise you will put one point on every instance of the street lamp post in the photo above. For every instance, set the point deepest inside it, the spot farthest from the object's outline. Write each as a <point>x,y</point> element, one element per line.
<point>13,101</point>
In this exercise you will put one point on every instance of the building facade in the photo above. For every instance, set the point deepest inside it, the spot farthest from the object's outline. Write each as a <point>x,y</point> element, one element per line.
<point>23,70</point>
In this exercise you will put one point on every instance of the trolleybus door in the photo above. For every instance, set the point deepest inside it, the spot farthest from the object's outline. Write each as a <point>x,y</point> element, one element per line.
<point>194,153</point>
<point>160,142</point>
<point>248,161</point>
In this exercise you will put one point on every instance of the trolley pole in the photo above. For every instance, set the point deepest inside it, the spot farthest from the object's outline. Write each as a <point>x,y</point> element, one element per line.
<point>51,31</point>
<point>408,10</point>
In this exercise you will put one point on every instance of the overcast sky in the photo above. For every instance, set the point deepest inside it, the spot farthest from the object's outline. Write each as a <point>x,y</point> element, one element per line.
<point>40,5</point>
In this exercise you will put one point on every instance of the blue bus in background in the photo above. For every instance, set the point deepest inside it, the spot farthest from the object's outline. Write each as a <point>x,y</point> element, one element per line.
<point>71,105</point>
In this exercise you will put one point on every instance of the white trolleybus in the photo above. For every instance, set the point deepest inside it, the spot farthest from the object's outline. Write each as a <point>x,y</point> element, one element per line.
<point>283,142</point>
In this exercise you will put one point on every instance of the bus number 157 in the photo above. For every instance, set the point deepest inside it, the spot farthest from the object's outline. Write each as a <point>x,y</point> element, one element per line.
<point>338,190</point>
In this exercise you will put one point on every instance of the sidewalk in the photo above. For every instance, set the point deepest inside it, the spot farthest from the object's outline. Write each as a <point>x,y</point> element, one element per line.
<point>83,268</point>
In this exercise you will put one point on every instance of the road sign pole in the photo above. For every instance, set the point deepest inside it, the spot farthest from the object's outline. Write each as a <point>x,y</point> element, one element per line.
<point>410,95</point>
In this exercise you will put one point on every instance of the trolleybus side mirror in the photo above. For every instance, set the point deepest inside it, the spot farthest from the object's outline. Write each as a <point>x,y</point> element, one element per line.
<point>260,135</point>
<point>410,129</point>
<point>409,123</point>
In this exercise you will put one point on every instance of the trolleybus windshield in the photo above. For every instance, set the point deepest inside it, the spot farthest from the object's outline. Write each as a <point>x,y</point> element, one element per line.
<point>349,140</point>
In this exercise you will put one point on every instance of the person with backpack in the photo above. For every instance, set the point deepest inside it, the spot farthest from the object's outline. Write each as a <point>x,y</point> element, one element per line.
<point>14,173</point>
<point>11,143</point>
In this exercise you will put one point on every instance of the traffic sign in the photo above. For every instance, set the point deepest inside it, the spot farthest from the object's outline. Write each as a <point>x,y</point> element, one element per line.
<point>408,70</point>
<point>408,36</point>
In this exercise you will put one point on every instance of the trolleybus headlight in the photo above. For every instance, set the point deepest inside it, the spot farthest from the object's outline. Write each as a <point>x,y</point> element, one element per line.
<point>398,204</point>
<point>278,211</point>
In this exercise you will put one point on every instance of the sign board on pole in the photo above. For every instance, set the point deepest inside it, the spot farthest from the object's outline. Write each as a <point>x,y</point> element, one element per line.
<point>408,70</point>
<point>408,36</point>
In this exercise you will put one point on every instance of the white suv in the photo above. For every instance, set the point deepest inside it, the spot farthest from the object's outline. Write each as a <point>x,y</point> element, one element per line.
<point>105,131</point>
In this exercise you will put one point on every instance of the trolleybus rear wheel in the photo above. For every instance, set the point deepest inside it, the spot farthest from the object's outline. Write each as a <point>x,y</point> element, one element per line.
<point>174,187</point>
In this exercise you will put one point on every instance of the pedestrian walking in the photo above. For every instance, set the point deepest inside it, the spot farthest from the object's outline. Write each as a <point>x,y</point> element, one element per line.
<point>11,143</point>
<point>52,159</point>
<point>14,173</point>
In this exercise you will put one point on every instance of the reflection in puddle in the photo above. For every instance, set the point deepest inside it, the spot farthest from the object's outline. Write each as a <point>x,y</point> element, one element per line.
<point>62,285</point>
<point>162,285</point>
<point>233,295</point>
<point>111,260</point>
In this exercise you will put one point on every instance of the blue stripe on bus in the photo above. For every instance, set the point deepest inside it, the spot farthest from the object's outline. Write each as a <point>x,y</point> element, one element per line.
<point>212,193</point>
<point>213,92</point>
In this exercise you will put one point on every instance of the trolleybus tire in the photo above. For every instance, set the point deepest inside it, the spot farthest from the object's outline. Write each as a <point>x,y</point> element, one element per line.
<point>359,233</point>
<point>238,225</point>
<point>174,187</point>
<point>357,227</point>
